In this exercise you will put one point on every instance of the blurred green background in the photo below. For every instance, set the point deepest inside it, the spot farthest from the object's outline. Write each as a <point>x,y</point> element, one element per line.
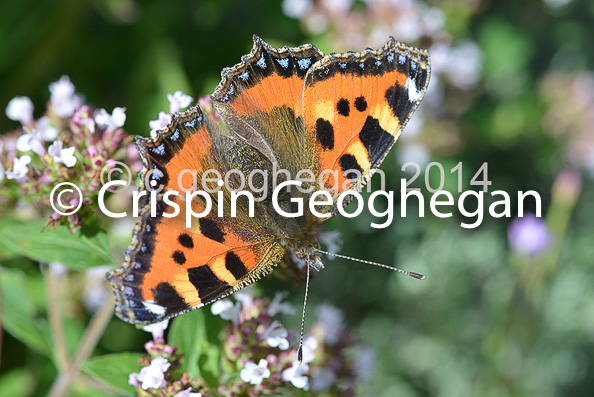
<point>512,86</point>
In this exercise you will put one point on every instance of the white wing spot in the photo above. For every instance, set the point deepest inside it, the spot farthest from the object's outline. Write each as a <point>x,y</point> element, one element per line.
<point>244,76</point>
<point>401,59</point>
<point>160,150</point>
<point>129,277</point>
<point>378,63</point>
<point>342,65</point>
<point>191,123</point>
<point>128,291</point>
<point>283,62</point>
<point>154,308</point>
<point>391,57</point>
<point>413,65</point>
<point>262,62</point>
<point>175,135</point>
<point>413,94</point>
<point>362,65</point>
<point>304,63</point>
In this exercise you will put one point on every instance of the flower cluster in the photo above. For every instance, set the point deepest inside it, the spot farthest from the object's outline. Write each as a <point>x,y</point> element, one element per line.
<point>158,376</point>
<point>266,352</point>
<point>70,142</point>
<point>177,102</point>
<point>259,355</point>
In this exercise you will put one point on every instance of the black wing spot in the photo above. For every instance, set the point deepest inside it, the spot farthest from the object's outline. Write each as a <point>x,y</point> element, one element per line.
<point>349,164</point>
<point>343,107</point>
<point>205,281</point>
<point>166,296</point>
<point>235,265</point>
<point>186,240</point>
<point>361,104</point>
<point>375,139</point>
<point>397,98</point>
<point>179,257</point>
<point>325,134</point>
<point>211,230</point>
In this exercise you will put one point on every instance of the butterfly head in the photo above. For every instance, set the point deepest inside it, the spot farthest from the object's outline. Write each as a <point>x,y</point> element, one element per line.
<point>311,256</point>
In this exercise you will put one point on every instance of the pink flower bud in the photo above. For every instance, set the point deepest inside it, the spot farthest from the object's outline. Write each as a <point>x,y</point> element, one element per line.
<point>92,151</point>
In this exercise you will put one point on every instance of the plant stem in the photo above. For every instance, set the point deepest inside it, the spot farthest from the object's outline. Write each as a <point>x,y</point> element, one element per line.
<point>55,319</point>
<point>86,347</point>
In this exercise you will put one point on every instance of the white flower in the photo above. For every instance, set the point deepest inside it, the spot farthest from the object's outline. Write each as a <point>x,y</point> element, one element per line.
<point>58,270</point>
<point>47,131</point>
<point>277,305</point>
<point>63,99</point>
<point>365,362</point>
<point>337,6</point>
<point>111,122</point>
<point>133,379</point>
<point>465,63</point>
<point>310,344</point>
<point>19,168</point>
<point>323,380</point>
<point>245,297</point>
<point>224,308</point>
<point>332,241</point>
<point>188,393</point>
<point>178,101</point>
<point>62,155</point>
<point>161,123</point>
<point>255,373</point>
<point>296,8</point>
<point>276,336</point>
<point>331,321</point>
<point>20,109</point>
<point>157,329</point>
<point>95,291</point>
<point>296,375</point>
<point>153,376</point>
<point>31,140</point>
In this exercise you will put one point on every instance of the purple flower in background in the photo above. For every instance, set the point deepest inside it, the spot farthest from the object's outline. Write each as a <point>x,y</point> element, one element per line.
<point>529,236</point>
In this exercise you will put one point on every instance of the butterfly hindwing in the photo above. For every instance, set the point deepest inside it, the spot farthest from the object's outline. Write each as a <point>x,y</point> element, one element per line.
<point>171,269</point>
<point>356,105</point>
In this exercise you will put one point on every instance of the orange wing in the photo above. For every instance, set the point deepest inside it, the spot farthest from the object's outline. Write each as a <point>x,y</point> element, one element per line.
<point>171,268</point>
<point>261,99</point>
<point>356,105</point>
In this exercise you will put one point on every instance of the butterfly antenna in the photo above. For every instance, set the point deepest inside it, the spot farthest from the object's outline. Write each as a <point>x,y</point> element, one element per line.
<point>412,274</point>
<point>300,351</point>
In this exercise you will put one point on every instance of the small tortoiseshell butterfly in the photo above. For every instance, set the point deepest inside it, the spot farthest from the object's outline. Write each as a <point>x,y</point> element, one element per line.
<point>291,108</point>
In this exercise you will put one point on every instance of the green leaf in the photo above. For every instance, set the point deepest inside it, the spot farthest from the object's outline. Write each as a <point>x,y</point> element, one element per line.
<point>73,250</point>
<point>113,369</point>
<point>19,316</point>
<point>187,332</point>
<point>18,382</point>
<point>198,340</point>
